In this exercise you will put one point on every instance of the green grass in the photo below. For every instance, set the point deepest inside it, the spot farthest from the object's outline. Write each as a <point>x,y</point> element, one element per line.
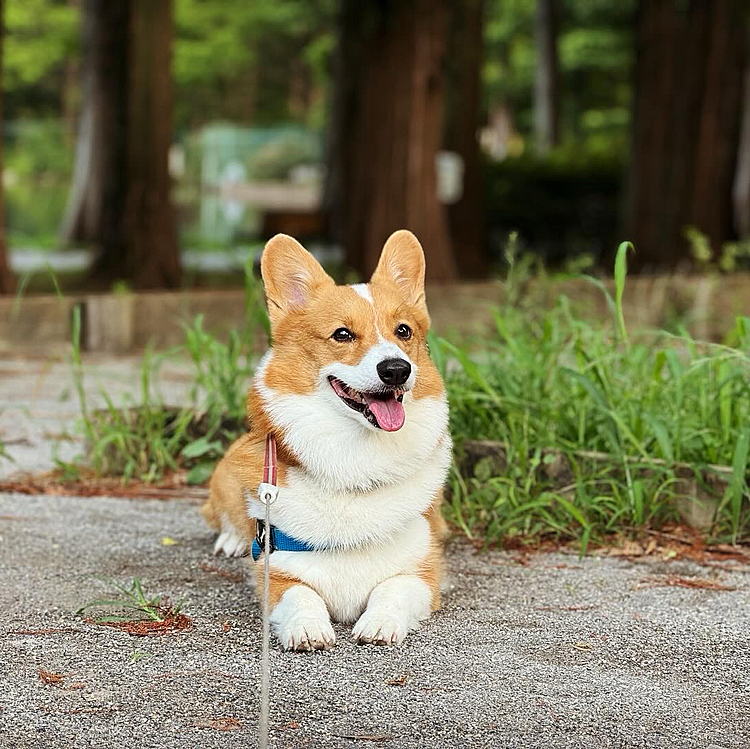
<point>133,599</point>
<point>146,439</point>
<point>549,386</point>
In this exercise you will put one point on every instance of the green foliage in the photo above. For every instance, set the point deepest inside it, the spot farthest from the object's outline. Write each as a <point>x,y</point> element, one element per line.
<point>40,36</point>
<point>596,53</point>
<point>38,166</point>
<point>628,420</point>
<point>239,59</point>
<point>145,439</point>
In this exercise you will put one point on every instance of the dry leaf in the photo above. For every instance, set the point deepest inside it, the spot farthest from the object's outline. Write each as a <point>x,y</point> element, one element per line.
<point>398,681</point>
<point>48,677</point>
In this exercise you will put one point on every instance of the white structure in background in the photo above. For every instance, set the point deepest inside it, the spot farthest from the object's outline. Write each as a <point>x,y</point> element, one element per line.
<point>450,176</point>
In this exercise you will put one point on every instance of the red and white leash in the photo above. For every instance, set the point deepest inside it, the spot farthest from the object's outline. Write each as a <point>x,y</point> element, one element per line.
<point>267,493</point>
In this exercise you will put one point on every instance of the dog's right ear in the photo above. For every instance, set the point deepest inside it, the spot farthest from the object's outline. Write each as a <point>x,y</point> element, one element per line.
<point>290,274</point>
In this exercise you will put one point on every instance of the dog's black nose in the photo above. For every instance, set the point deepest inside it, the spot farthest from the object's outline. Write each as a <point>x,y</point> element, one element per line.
<point>394,371</point>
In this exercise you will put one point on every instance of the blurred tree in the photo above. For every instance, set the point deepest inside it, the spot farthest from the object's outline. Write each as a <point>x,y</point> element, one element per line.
<point>7,280</point>
<point>388,129</point>
<point>546,83</point>
<point>120,197</point>
<point>686,124</point>
<point>463,118</point>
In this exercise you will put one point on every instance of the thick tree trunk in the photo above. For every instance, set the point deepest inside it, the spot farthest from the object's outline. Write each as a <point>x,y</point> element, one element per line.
<point>686,125</point>
<point>465,58</point>
<point>547,79</point>
<point>120,198</point>
<point>7,279</point>
<point>150,255</point>
<point>391,128</point>
<point>741,192</point>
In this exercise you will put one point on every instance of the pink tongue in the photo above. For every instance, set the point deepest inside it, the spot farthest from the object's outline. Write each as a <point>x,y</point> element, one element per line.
<point>389,413</point>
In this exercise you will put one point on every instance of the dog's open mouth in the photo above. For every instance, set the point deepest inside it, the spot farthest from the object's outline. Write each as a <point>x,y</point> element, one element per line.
<point>383,409</point>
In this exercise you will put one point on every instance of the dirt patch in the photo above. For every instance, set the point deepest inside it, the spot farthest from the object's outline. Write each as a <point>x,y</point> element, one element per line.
<point>88,484</point>
<point>218,724</point>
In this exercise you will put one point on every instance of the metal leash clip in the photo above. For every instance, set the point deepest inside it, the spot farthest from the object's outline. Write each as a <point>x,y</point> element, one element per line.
<point>267,493</point>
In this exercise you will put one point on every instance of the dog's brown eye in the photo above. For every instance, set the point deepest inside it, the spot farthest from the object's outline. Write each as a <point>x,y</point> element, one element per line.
<point>403,332</point>
<point>343,334</point>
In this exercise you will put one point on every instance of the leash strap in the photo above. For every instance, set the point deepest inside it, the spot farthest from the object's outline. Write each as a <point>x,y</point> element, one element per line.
<point>269,464</point>
<point>267,492</point>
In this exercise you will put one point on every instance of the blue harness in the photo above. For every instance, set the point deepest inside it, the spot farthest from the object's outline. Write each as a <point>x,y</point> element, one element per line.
<point>277,541</point>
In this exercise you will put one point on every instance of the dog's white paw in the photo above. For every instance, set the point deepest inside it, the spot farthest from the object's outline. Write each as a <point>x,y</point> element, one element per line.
<point>394,609</point>
<point>301,622</point>
<point>231,543</point>
<point>381,628</point>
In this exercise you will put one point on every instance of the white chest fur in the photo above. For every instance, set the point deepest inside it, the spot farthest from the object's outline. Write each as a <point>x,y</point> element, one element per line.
<point>371,535</point>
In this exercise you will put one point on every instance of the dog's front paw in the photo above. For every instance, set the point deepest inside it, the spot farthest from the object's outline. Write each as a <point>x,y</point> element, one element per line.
<point>304,634</point>
<point>380,628</point>
<point>301,622</point>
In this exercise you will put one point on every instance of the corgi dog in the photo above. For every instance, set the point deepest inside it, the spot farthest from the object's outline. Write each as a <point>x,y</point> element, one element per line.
<point>359,416</point>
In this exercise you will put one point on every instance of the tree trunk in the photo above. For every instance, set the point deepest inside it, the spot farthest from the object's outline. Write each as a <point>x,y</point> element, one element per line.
<point>685,126</point>
<point>150,255</point>
<point>465,58</point>
<point>546,83</point>
<point>98,189</point>
<point>120,198</point>
<point>741,192</point>
<point>390,121</point>
<point>7,279</point>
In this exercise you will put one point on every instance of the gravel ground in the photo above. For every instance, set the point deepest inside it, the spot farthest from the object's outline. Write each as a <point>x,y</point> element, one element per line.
<point>554,652</point>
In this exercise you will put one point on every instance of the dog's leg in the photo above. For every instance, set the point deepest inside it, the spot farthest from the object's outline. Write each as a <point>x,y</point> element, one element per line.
<point>300,620</point>
<point>394,609</point>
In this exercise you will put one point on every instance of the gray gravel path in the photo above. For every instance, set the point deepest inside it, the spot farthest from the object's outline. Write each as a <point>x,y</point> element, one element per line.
<point>559,652</point>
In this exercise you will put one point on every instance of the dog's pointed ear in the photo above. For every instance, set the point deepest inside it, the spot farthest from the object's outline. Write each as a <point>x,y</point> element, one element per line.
<point>402,263</point>
<point>290,275</point>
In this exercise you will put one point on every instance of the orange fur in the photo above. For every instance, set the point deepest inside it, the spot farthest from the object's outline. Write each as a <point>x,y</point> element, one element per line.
<point>432,568</point>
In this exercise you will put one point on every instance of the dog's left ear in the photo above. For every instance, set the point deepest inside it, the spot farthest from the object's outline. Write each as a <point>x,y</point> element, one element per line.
<point>402,262</point>
<point>290,274</point>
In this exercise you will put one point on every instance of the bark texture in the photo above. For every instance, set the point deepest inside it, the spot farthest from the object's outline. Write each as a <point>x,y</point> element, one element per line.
<point>389,129</point>
<point>741,193</point>
<point>689,68</point>
<point>7,279</point>
<point>120,197</point>
<point>465,58</point>
<point>547,78</point>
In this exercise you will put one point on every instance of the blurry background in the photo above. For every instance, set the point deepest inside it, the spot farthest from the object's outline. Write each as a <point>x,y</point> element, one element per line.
<point>155,143</point>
